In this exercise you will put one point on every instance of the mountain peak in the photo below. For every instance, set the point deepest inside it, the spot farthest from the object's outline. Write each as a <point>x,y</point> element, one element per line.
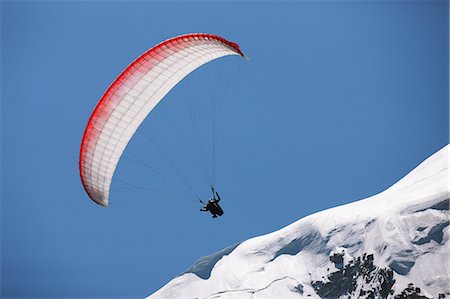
<point>394,244</point>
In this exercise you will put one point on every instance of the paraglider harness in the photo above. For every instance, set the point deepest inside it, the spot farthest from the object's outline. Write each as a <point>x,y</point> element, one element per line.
<point>213,205</point>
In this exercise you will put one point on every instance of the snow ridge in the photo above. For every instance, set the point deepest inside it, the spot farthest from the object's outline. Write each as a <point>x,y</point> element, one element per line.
<point>395,243</point>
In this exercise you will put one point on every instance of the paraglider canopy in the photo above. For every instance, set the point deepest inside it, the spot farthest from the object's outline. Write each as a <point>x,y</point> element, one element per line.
<point>132,96</point>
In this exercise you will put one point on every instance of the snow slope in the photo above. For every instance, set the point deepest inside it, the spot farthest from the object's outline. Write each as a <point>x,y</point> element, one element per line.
<point>405,228</point>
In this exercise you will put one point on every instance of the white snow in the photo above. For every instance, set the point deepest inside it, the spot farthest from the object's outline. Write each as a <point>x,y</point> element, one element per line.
<point>405,227</point>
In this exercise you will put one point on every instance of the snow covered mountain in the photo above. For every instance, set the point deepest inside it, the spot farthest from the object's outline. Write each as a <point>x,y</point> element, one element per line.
<point>391,245</point>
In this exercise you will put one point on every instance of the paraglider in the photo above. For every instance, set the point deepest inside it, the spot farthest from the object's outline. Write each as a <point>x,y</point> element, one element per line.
<point>213,205</point>
<point>132,96</point>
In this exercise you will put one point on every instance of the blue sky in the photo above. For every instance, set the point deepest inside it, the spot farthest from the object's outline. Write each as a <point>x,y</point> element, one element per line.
<point>338,101</point>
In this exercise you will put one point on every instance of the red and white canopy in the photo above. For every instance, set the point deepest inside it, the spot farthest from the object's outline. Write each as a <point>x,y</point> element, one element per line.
<point>132,96</point>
